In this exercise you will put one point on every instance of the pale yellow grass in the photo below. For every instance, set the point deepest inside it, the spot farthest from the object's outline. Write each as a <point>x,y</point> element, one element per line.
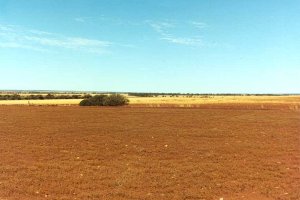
<point>215,100</point>
<point>181,100</point>
<point>41,102</point>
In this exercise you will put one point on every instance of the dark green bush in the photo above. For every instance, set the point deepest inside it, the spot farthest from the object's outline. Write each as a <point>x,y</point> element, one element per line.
<point>97,100</point>
<point>115,100</point>
<point>85,102</point>
<point>104,100</point>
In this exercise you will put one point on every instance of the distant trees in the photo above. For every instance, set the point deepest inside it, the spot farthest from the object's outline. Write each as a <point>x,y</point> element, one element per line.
<point>142,94</point>
<point>89,100</point>
<point>42,96</point>
<point>111,99</point>
<point>10,97</point>
<point>86,96</point>
<point>49,96</point>
<point>105,100</point>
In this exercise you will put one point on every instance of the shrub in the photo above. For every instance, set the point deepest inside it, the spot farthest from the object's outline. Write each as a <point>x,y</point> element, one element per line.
<point>97,100</point>
<point>104,100</point>
<point>85,102</point>
<point>115,100</point>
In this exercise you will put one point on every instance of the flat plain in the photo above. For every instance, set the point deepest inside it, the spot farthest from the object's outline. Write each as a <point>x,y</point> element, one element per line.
<point>180,101</point>
<point>72,152</point>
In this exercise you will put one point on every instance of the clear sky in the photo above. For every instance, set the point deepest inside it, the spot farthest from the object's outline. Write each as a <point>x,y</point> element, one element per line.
<point>199,46</point>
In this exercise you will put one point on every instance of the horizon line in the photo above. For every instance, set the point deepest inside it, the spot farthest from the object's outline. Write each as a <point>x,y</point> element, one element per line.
<point>128,92</point>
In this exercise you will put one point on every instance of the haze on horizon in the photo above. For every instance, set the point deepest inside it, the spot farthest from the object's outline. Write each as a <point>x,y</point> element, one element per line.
<point>151,45</point>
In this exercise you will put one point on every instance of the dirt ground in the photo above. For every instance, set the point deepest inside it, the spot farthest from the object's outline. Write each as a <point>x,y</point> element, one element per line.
<point>72,152</point>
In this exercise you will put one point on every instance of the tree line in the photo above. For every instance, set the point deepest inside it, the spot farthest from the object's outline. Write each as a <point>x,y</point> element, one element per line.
<point>137,94</point>
<point>142,94</point>
<point>42,97</point>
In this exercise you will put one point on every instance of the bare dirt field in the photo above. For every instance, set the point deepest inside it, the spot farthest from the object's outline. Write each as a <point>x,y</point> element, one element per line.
<point>72,152</point>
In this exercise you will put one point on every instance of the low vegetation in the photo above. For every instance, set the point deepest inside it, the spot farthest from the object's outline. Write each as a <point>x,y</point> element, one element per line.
<point>42,97</point>
<point>19,95</point>
<point>143,94</point>
<point>105,100</point>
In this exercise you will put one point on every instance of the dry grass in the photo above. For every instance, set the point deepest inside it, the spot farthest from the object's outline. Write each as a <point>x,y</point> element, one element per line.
<point>41,102</point>
<point>177,101</point>
<point>215,99</point>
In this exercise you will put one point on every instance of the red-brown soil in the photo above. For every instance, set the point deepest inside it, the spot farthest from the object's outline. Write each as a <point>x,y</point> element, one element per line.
<point>148,153</point>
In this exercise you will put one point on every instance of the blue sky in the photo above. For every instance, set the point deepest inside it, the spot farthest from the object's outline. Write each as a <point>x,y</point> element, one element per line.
<point>199,46</point>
